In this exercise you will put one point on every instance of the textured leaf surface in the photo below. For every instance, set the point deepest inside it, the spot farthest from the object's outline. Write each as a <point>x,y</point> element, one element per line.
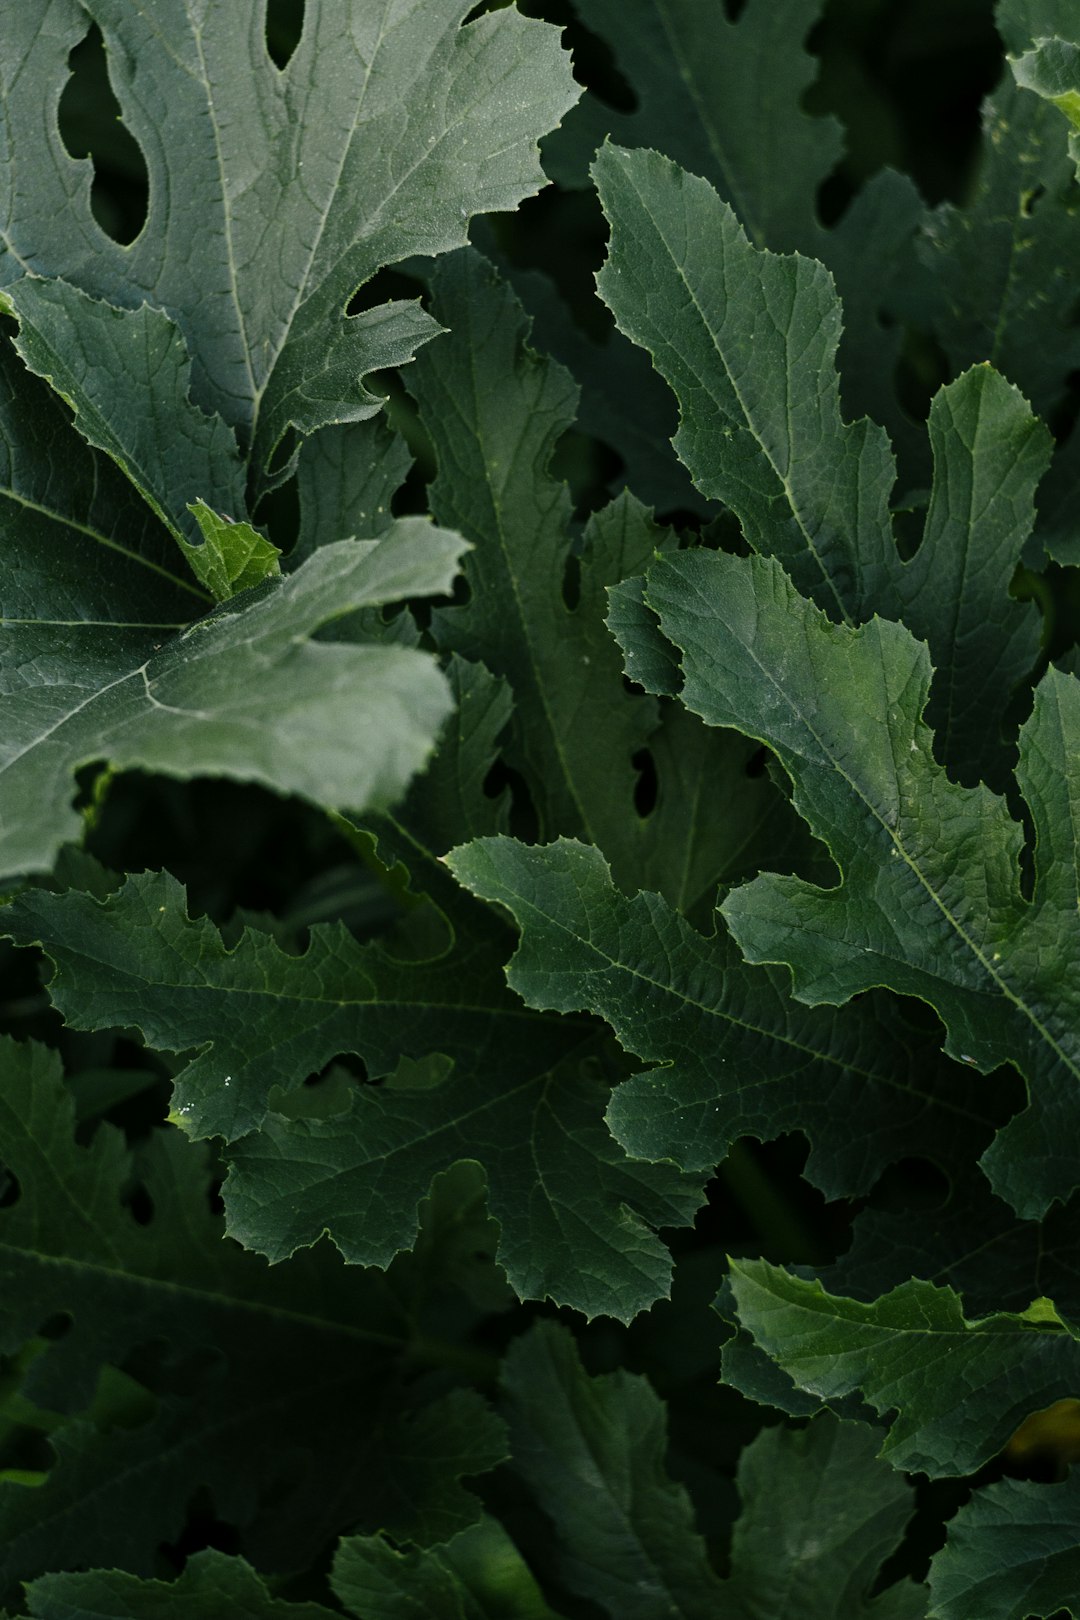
<point>820,1515</point>
<point>233,557</point>
<point>930,901</point>
<point>1012,1552</point>
<point>248,694</point>
<point>733,1054</point>
<point>70,1250</point>
<point>126,375</point>
<point>959,1388</point>
<point>489,1080</point>
<point>591,1451</point>
<point>477,1575</point>
<point>210,1586</point>
<point>747,339</point>
<point>383,134</point>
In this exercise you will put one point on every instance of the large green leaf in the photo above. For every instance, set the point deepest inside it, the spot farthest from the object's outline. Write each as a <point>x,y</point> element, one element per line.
<point>470,1074</point>
<point>1013,1552</point>
<point>733,1055</point>
<point>748,341</point>
<point>494,411</point>
<point>959,1388</point>
<point>591,1452</point>
<point>820,1515</point>
<point>249,693</point>
<point>930,901</point>
<point>382,135</point>
<point>225,1399</point>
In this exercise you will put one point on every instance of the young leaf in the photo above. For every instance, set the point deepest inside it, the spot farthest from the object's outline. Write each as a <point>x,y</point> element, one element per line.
<point>1013,1552</point>
<point>733,1055</point>
<point>128,379</point>
<point>248,694</point>
<point>378,139</point>
<point>959,1388</point>
<point>930,900</point>
<point>233,557</point>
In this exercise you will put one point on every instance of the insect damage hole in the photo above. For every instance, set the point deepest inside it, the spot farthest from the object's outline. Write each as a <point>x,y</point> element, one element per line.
<point>91,126</point>
<point>284,25</point>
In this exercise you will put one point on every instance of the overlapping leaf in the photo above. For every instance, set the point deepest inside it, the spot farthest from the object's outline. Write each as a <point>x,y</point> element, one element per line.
<point>733,1054</point>
<point>959,1388</point>
<point>1013,1553</point>
<point>930,901</point>
<point>248,694</point>
<point>748,341</point>
<point>276,193</point>
<point>226,1347</point>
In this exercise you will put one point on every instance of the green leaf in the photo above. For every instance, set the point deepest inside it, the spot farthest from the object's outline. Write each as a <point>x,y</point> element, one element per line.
<point>820,1515</point>
<point>127,378</point>
<point>346,478</point>
<point>1012,1552</point>
<point>989,455</point>
<point>959,1388</point>
<point>210,1586</point>
<point>248,693</point>
<point>235,1385</point>
<point>233,557</point>
<point>379,139</point>
<point>494,412</point>
<point>733,1055</point>
<point>479,1575</point>
<point>747,339</point>
<point>591,1452</point>
<point>1052,71</point>
<point>506,1088</point>
<point>930,902</point>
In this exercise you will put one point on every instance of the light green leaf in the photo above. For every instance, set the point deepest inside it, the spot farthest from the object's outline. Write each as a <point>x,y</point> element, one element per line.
<point>733,1055</point>
<point>380,138</point>
<point>929,903</point>
<point>1013,1552</point>
<point>959,1388</point>
<point>210,1586</point>
<point>127,376</point>
<point>592,1453</point>
<point>821,1513</point>
<point>233,556</point>
<point>248,693</point>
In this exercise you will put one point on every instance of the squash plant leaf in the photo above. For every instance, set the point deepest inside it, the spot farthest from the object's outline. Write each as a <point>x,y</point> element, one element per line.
<point>211,1412</point>
<point>210,1585</point>
<point>249,693</point>
<point>1013,1553</point>
<point>913,1352</point>
<point>382,135</point>
<point>916,911</point>
<point>733,1054</point>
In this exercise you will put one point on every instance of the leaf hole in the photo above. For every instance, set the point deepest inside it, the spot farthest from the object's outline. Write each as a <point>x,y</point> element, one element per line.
<point>284,25</point>
<point>647,786</point>
<point>10,1188</point>
<point>1029,200</point>
<point>912,1185</point>
<point>524,822</point>
<point>57,1326</point>
<point>91,126</point>
<point>139,1204</point>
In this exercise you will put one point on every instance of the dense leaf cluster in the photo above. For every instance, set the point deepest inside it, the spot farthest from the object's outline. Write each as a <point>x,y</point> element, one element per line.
<point>539,812</point>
